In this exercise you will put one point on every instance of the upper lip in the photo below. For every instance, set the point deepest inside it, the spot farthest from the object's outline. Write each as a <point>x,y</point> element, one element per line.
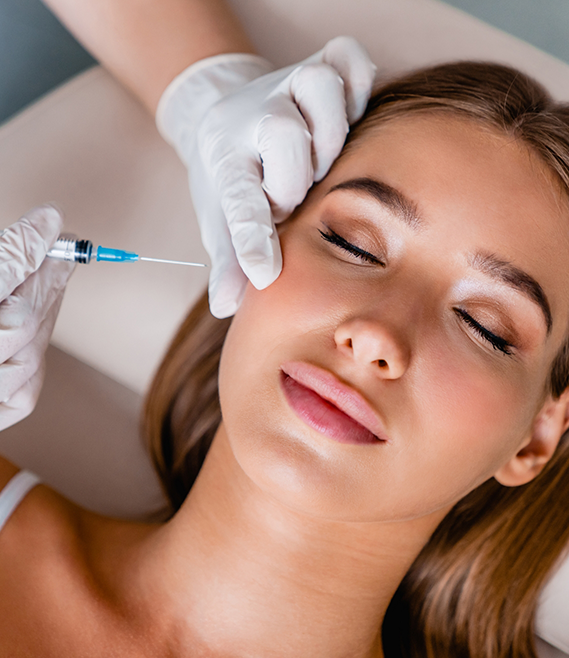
<point>329,387</point>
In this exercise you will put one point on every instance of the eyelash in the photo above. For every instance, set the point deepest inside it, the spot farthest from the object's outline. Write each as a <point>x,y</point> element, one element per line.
<point>498,343</point>
<point>337,240</point>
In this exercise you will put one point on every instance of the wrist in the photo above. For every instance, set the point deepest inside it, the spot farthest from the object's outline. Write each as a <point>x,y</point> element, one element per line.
<point>187,98</point>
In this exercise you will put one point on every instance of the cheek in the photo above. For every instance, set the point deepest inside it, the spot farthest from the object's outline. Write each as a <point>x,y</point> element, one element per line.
<point>269,323</point>
<point>254,419</point>
<point>303,297</point>
<point>468,397</point>
<point>477,418</point>
<point>292,318</point>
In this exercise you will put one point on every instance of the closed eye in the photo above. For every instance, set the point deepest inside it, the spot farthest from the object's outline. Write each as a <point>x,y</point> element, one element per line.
<point>337,240</point>
<point>497,342</point>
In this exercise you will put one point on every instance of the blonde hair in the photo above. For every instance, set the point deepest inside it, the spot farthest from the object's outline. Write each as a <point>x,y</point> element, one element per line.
<point>473,590</point>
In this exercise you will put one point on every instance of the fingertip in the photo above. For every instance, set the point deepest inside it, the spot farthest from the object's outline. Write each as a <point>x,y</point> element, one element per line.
<point>327,154</point>
<point>321,94</point>
<point>221,309</point>
<point>52,205</point>
<point>284,144</point>
<point>221,306</point>
<point>357,100</point>
<point>355,106</point>
<point>46,220</point>
<point>266,272</point>
<point>352,61</point>
<point>225,291</point>
<point>50,212</point>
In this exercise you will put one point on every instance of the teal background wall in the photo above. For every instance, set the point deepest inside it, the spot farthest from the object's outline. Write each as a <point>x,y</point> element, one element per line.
<point>36,54</point>
<point>543,23</point>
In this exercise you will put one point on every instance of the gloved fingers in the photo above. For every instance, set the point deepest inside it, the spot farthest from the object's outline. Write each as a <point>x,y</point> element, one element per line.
<point>25,309</point>
<point>24,244</point>
<point>248,215</point>
<point>227,281</point>
<point>23,365</point>
<point>226,288</point>
<point>318,91</point>
<point>23,401</point>
<point>285,147</point>
<point>350,59</point>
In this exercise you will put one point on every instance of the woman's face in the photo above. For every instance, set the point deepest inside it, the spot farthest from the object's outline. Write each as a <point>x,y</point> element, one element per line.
<point>428,274</point>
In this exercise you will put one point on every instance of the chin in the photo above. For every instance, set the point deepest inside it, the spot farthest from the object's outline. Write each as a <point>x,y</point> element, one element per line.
<point>290,471</point>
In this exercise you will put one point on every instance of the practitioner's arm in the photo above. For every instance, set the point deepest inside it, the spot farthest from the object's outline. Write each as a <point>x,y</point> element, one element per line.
<point>264,136</point>
<point>147,43</point>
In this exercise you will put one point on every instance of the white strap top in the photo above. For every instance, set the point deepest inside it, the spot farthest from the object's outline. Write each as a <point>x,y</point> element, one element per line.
<point>14,492</point>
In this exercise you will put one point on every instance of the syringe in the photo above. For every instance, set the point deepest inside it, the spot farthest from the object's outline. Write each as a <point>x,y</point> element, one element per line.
<point>70,248</point>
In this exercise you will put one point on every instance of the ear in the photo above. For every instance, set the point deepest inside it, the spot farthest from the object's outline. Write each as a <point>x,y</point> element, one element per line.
<point>548,427</point>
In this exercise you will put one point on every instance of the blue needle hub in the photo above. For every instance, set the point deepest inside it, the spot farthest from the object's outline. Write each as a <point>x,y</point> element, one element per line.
<point>117,255</point>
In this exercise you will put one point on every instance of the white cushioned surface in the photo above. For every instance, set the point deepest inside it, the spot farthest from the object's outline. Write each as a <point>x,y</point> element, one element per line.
<point>83,440</point>
<point>91,148</point>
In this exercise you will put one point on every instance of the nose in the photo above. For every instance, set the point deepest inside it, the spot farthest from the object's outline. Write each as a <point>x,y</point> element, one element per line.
<point>373,345</point>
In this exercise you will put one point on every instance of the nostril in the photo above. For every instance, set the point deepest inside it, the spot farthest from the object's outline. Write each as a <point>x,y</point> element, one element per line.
<point>382,363</point>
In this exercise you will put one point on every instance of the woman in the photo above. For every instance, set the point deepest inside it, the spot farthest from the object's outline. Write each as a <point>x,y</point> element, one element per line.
<point>393,404</point>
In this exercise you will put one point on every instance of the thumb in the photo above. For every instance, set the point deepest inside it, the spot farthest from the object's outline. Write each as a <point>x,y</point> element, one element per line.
<point>24,245</point>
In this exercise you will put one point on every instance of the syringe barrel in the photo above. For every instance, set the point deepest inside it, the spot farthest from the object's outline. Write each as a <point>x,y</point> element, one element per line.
<point>69,248</point>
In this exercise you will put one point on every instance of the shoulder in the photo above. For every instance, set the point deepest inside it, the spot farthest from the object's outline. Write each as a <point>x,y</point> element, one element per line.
<point>56,599</point>
<point>42,520</point>
<point>7,472</point>
<point>41,537</point>
<point>41,508</point>
<point>42,571</point>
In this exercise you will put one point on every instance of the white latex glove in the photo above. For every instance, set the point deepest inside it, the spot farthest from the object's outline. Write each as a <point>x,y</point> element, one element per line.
<point>254,142</point>
<point>31,290</point>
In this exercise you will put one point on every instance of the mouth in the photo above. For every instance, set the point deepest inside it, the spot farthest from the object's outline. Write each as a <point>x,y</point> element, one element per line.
<point>325,404</point>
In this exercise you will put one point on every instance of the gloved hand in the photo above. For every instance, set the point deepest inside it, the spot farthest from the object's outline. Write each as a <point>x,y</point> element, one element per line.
<point>31,290</point>
<point>254,142</point>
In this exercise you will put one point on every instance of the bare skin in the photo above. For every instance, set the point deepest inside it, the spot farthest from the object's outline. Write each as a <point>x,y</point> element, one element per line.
<point>291,543</point>
<point>147,43</point>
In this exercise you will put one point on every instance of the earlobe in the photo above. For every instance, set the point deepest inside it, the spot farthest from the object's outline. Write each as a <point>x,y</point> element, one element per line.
<point>548,427</point>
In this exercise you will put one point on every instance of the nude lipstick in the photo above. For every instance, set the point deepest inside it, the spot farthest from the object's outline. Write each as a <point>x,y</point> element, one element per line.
<point>329,406</point>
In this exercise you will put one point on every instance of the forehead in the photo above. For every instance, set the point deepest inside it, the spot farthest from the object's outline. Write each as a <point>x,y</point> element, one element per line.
<point>475,188</point>
<point>459,156</point>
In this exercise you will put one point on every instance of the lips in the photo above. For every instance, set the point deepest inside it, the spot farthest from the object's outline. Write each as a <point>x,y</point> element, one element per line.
<point>329,406</point>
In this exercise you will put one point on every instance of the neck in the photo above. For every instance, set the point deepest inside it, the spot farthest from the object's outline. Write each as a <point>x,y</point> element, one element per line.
<point>242,574</point>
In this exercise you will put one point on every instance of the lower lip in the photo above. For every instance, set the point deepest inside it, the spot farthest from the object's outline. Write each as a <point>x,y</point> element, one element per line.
<point>323,416</point>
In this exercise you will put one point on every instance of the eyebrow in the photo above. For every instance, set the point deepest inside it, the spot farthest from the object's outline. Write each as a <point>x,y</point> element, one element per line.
<point>488,263</point>
<point>396,201</point>
<point>516,278</point>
